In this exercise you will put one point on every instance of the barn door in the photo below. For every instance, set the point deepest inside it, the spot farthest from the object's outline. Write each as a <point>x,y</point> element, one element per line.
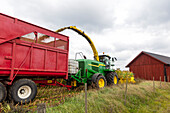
<point>165,74</point>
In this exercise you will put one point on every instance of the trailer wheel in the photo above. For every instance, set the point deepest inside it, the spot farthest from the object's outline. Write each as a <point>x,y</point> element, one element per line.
<point>100,82</point>
<point>23,91</point>
<point>3,92</point>
<point>112,78</point>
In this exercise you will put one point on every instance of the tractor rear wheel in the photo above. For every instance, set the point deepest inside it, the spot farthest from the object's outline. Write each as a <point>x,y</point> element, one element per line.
<point>112,78</point>
<point>23,91</point>
<point>100,82</point>
<point>3,92</point>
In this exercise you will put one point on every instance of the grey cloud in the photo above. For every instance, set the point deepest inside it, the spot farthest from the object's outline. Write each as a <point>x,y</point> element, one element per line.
<point>157,44</point>
<point>160,44</point>
<point>154,12</point>
<point>96,15</point>
<point>93,16</point>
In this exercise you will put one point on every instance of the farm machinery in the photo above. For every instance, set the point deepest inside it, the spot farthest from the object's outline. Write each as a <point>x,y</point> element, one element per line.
<point>97,71</point>
<point>31,55</point>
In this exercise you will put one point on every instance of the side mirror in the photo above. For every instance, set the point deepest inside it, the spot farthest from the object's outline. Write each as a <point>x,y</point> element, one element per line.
<point>112,65</point>
<point>114,59</point>
<point>84,57</point>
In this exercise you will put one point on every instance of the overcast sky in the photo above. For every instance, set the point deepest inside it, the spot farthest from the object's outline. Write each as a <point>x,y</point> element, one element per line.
<point>120,28</point>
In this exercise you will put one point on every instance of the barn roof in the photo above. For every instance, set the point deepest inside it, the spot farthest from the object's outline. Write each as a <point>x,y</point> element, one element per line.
<point>161,58</point>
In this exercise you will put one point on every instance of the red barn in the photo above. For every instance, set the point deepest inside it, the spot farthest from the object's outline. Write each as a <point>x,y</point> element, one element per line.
<point>148,65</point>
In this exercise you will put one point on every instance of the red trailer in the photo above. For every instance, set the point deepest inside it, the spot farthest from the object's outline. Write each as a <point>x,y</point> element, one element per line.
<point>29,54</point>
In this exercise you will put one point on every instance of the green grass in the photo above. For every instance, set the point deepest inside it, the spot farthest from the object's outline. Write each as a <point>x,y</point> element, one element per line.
<point>140,99</point>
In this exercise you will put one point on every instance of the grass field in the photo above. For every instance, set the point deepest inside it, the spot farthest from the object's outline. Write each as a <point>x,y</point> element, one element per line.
<point>141,98</point>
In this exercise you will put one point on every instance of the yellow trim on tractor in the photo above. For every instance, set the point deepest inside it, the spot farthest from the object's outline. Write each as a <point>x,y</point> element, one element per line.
<point>96,65</point>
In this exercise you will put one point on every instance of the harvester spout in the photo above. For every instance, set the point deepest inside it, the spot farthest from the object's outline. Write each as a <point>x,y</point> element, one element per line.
<point>96,56</point>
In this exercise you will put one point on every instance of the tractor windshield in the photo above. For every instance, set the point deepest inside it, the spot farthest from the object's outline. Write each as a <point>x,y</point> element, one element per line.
<point>106,60</point>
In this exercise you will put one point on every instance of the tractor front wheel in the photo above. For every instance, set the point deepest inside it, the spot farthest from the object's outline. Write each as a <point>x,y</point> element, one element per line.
<point>3,92</point>
<point>112,78</point>
<point>100,82</point>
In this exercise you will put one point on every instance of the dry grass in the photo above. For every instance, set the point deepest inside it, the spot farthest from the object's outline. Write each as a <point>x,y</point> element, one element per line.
<point>140,98</point>
<point>51,95</point>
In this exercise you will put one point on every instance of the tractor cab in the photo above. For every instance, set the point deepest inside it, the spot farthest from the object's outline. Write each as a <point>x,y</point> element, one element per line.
<point>107,60</point>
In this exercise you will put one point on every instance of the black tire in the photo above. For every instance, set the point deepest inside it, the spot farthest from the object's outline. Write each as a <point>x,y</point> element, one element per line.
<point>101,84</point>
<point>112,78</point>
<point>3,92</point>
<point>23,91</point>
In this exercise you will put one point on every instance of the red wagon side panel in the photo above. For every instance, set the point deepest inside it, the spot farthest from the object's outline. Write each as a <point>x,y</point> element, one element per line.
<point>62,65</point>
<point>5,53</point>
<point>51,62</point>
<point>20,57</point>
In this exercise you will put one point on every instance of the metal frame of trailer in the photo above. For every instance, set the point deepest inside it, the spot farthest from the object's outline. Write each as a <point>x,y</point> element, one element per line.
<point>23,56</point>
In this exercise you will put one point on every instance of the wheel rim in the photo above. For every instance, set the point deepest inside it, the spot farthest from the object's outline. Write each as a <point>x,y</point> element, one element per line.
<point>101,83</point>
<point>115,80</point>
<point>24,92</point>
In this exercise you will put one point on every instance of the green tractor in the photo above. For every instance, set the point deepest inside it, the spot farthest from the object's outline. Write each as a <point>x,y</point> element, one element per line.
<point>96,73</point>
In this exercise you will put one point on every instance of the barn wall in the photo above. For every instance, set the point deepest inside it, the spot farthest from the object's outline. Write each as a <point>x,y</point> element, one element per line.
<point>148,71</point>
<point>145,67</point>
<point>145,60</point>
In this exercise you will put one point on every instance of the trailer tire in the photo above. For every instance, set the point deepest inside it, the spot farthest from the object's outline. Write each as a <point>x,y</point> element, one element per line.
<point>23,91</point>
<point>100,82</point>
<point>112,78</point>
<point>3,92</point>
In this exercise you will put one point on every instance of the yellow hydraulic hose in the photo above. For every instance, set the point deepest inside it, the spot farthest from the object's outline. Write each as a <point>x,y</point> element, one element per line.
<point>85,36</point>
